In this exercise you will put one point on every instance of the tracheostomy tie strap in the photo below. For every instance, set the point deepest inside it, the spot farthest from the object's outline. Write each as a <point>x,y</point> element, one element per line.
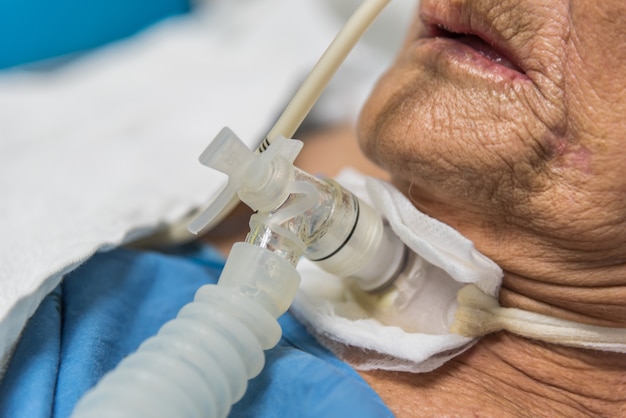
<point>481,314</point>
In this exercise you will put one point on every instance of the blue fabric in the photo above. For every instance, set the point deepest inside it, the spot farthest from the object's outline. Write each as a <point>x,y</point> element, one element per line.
<point>32,30</point>
<point>107,307</point>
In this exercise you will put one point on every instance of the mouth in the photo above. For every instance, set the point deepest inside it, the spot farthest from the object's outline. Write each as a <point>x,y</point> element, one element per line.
<point>482,46</point>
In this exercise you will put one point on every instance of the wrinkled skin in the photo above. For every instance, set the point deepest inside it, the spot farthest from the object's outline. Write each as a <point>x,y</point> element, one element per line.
<point>531,165</point>
<point>529,162</point>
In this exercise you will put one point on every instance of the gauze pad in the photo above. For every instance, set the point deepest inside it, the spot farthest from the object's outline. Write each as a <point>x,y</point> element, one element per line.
<point>328,306</point>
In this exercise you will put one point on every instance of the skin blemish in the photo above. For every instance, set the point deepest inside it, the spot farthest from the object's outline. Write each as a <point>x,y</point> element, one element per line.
<point>574,156</point>
<point>563,154</point>
<point>579,157</point>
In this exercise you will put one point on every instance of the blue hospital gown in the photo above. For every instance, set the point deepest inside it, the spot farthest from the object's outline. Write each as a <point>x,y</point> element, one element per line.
<point>104,309</point>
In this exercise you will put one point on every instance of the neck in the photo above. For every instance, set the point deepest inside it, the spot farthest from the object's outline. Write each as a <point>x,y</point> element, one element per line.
<point>560,280</point>
<point>576,277</point>
<point>584,301</point>
<point>506,375</point>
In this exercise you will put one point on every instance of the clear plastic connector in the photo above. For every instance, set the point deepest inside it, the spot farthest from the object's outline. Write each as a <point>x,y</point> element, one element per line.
<point>299,214</point>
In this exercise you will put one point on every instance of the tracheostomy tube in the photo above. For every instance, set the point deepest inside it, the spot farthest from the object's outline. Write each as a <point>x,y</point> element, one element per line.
<point>341,233</point>
<point>336,230</point>
<point>198,364</point>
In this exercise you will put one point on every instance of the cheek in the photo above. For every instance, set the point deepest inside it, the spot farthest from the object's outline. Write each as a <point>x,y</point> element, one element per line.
<point>596,68</point>
<point>453,138</point>
<point>596,99</point>
<point>375,112</point>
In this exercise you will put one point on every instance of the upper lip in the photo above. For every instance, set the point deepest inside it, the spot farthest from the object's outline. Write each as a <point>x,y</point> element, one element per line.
<point>442,20</point>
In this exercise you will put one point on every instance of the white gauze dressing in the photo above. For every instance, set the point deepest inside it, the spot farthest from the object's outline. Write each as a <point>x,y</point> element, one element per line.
<point>335,314</point>
<point>453,284</point>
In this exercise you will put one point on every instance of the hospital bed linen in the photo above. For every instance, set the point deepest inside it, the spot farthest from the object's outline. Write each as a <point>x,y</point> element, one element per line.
<point>104,309</point>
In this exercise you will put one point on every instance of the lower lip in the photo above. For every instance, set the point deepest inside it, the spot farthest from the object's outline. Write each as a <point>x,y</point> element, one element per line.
<point>449,51</point>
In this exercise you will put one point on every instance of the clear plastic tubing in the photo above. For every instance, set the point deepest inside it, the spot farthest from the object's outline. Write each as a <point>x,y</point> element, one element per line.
<point>199,363</point>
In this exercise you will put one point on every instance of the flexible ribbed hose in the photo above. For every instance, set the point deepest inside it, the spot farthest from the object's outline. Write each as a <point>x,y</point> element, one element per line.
<point>199,364</point>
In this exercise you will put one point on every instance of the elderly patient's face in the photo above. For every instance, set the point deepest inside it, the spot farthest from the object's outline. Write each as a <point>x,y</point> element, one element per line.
<point>507,119</point>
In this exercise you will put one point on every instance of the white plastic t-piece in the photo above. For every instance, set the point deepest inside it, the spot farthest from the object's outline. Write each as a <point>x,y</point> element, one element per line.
<point>255,177</point>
